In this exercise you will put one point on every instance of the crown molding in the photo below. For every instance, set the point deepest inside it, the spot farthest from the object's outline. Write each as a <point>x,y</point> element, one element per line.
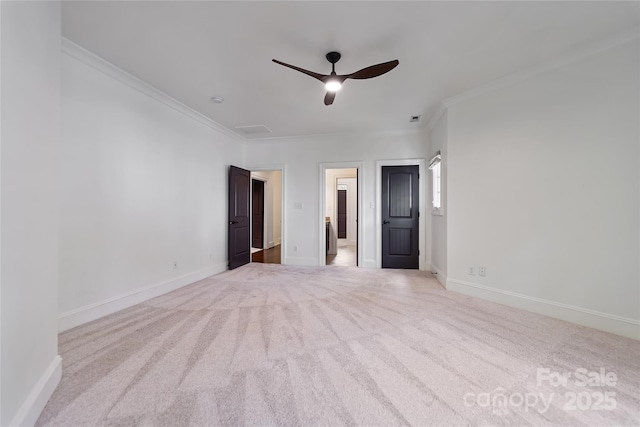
<point>91,59</point>
<point>511,79</point>
<point>435,117</point>
<point>557,62</point>
<point>371,134</point>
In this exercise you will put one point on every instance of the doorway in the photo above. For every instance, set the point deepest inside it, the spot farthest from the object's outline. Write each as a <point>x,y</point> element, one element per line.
<point>257,214</point>
<point>341,217</point>
<point>266,216</point>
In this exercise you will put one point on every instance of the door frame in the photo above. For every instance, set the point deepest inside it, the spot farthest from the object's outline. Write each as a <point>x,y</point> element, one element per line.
<point>283,222</point>
<point>322,203</point>
<point>422,198</point>
<point>264,217</point>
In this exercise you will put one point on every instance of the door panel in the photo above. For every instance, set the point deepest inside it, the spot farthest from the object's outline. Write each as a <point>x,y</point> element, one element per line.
<point>257,217</point>
<point>399,241</point>
<point>400,217</point>
<point>400,195</point>
<point>239,245</point>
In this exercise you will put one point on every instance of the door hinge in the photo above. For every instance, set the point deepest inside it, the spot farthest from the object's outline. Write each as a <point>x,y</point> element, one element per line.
<point>418,251</point>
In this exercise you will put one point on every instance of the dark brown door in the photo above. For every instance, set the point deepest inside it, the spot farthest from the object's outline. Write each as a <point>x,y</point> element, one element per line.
<point>400,217</point>
<point>257,214</point>
<point>342,214</point>
<point>239,247</point>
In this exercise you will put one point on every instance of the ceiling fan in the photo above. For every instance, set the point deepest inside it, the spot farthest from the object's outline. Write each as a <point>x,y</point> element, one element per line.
<point>333,82</point>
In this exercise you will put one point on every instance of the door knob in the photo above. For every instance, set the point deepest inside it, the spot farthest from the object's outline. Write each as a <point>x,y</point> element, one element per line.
<point>386,222</point>
<point>233,222</point>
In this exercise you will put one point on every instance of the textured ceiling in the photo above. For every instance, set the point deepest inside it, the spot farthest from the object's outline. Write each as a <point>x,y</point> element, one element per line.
<point>195,50</point>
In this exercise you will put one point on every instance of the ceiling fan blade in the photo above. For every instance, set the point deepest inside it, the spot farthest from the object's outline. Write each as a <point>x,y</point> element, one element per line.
<point>374,70</point>
<point>329,97</point>
<point>318,76</point>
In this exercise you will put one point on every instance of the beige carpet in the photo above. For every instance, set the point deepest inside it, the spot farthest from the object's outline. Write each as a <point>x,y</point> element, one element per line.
<point>275,345</point>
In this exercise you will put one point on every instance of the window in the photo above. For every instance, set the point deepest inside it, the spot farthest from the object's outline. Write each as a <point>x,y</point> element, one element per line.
<point>435,165</point>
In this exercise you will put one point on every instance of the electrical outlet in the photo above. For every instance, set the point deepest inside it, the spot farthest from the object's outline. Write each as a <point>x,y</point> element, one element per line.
<point>175,264</point>
<point>482,272</point>
<point>295,248</point>
<point>471,271</point>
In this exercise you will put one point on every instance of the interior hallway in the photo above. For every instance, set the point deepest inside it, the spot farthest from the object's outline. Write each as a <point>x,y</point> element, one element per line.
<point>346,255</point>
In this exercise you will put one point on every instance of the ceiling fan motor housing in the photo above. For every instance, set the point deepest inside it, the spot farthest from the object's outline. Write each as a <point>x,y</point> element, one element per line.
<point>333,57</point>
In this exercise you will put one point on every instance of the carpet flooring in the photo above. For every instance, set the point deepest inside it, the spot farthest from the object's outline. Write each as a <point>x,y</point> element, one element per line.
<point>279,345</point>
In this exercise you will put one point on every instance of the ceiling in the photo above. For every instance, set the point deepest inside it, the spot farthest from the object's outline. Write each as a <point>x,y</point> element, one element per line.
<point>193,51</point>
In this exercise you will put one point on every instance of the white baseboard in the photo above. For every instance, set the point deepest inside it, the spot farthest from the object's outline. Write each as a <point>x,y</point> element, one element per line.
<point>594,319</point>
<point>300,261</point>
<point>94,311</point>
<point>31,408</point>
<point>370,263</point>
<point>442,278</point>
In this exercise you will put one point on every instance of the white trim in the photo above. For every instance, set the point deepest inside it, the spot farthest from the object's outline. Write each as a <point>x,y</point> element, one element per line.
<point>31,408</point>
<point>100,64</point>
<point>440,275</point>
<point>1,217</point>
<point>508,80</point>
<point>283,223</point>
<point>435,117</point>
<point>90,312</point>
<point>91,59</point>
<point>595,319</point>
<point>300,261</point>
<point>370,263</point>
<point>557,62</point>
<point>422,195</point>
<point>322,203</point>
<point>371,134</point>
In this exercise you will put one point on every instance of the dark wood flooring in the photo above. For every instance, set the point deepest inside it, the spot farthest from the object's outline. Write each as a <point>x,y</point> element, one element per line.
<point>267,256</point>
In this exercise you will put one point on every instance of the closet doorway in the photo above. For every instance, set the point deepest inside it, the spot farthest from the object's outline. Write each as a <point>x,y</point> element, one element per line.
<point>341,213</point>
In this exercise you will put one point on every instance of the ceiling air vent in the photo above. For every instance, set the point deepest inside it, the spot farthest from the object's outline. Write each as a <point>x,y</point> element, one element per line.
<point>253,129</point>
<point>414,119</point>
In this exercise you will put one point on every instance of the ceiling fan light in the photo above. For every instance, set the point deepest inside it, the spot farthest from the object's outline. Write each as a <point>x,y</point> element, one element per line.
<point>333,85</point>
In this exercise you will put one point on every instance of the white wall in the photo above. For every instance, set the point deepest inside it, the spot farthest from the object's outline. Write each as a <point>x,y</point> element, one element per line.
<point>438,141</point>
<point>143,186</point>
<point>544,192</point>
<point>30,142</point>
<point>302,158</point>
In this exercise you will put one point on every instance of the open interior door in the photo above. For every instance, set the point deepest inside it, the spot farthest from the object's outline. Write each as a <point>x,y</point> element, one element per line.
<point>239,236</point>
